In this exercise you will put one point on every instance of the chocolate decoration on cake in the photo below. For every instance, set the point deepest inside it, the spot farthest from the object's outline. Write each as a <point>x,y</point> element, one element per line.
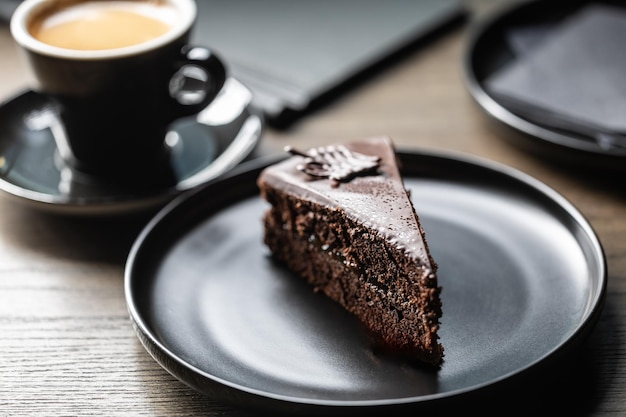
<point>335,162</point>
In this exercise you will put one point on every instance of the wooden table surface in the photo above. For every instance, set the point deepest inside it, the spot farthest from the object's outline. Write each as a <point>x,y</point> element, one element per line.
<point>67,347</point>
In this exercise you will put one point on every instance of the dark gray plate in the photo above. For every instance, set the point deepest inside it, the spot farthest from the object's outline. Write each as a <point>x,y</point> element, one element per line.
<point>488,50</point>
<point>201,148</point>
<point>522,271</point>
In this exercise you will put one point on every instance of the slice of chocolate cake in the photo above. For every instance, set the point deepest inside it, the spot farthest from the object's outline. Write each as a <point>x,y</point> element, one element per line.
<point>341,217</point>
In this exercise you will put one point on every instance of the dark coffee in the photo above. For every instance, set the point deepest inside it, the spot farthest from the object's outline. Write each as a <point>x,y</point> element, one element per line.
<point>96,25</point>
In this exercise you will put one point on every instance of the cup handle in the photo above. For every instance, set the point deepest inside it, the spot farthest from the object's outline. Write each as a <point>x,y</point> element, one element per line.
<point>199,78</point>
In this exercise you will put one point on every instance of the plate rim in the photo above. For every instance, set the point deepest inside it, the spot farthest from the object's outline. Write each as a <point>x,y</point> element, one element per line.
<point>258,398</point>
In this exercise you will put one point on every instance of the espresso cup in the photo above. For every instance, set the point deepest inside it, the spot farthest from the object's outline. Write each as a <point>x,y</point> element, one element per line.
<point>117,73</point>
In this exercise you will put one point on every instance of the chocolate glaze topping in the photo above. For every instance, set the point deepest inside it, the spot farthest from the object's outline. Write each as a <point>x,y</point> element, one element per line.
<point>374,199</point>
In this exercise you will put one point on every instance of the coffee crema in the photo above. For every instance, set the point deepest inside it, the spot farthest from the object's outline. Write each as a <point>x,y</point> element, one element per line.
<point>99,25</point>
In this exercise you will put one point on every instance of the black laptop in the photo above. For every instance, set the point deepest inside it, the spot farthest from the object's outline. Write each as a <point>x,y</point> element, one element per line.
<point>293,54</point>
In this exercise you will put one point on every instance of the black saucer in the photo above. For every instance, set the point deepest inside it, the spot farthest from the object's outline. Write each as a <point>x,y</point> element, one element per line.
<point>201,148</point>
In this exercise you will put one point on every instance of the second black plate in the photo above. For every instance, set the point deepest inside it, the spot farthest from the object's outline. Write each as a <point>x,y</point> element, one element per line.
<point>522,271</point>
<point>488,50</point>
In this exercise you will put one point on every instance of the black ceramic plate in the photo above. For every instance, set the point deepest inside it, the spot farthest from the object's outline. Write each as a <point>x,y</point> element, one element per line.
<point>488,50</point>
<point>201,148</point>
<point>522,271</point>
